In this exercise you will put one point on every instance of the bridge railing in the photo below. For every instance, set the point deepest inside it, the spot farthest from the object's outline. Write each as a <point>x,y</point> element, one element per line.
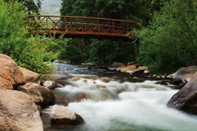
<point>79,25</point>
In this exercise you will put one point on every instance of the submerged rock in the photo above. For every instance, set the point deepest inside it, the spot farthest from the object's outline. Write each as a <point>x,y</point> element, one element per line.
<point>186,98</point>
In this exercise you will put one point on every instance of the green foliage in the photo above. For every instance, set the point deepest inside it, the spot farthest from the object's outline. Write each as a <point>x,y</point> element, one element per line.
<point>136,10</point>
<point>32,6</point>
<point>97,51</point>
<point>12,27</point>
<point>104,51</point>
<point>170,40</point>
<point>29,52</point>
<point>74,50</point>
<point>107,51</point>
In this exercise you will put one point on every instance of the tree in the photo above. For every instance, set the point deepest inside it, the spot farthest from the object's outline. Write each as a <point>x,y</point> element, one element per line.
<point>32,6</point>
<point>108,51</point>
<point>28,52</point>
<point>170,40</point>
<point>135,10</point>
<point>118,9</point>
<point>74,51</point>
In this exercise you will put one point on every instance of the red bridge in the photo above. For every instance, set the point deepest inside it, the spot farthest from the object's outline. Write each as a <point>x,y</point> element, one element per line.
<point>81,26</point>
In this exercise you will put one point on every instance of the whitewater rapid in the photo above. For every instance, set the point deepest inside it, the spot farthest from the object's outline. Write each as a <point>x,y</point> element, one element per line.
<point>107,104</point>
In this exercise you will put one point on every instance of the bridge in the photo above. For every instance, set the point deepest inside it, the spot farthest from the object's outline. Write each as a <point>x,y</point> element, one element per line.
<point>81,26</point>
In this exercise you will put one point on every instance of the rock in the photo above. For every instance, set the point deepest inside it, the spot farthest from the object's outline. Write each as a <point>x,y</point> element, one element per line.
<point>48,97</point>
<point>89,64</point>
<point>146,71</point>
<point>115,65</point>
<point>77,97</point>
<point>30,76</point>
<point>10,71</point>
<point>40,95</point>
<point>183,75</point>
<point>131,69</point>
<point>32,89</point>
<point>179,83</point>
<point>185,98</point>
<point>50,84</point>
<point>128,68</point>
<point>63,115</point>
<point>192,62</point>
<point>61,61</point>
<point>18,112</point>
<point>7,58</point>
<point>169,76</point>
<point>131,63</point>
<point>39,109</point>
<point>142,69</point>
<point>5,84</point>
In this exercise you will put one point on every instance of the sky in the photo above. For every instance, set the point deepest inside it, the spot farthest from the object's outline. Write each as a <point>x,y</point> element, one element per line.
<point>51,7</point>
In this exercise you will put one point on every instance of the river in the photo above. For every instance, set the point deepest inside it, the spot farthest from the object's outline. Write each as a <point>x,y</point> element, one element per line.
<point>113,101</point>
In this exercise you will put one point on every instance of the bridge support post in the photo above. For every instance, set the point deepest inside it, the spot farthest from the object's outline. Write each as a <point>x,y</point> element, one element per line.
<point>135,49</point>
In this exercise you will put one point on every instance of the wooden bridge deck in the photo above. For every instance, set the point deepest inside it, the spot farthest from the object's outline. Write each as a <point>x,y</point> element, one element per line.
<point>81,26</point>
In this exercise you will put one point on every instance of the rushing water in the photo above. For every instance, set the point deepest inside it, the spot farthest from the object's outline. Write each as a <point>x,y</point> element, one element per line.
<point>114,102</point>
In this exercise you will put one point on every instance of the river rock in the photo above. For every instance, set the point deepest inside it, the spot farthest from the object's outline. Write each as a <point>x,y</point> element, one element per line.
<point>40,95</point>
<point>63,115</point>
<point>143,69</point>
<point>115,65</point>
<point>76,97</point>
<point>30,76</point>
<point>128,68</point>
<point>10,71</point>
<point>186,98</point>
<point>18,112</point>
<point>5,84</point>
<point>50,84</point>
<point>131,69</point>
<point>183,75</point>
<point>192,62</point>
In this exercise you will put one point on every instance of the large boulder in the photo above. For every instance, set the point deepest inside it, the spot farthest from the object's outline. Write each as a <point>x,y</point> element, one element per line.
<point>5,84</point>
<point>18,112</point>
<point>183,75</point>
<point>30,76</point>
<point>186,98</point>
<point>10,71</point>
<point>40,95</point>
<point>63,115</point>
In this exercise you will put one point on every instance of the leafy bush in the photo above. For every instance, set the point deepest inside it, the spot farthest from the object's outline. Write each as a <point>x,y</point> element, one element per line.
<point>74,50</point>
<point>29,52</point>
<point>170,40</point>
<point>108,51</point>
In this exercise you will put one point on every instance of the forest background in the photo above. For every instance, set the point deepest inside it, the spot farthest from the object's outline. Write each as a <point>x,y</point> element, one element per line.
<point>166,41</point>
